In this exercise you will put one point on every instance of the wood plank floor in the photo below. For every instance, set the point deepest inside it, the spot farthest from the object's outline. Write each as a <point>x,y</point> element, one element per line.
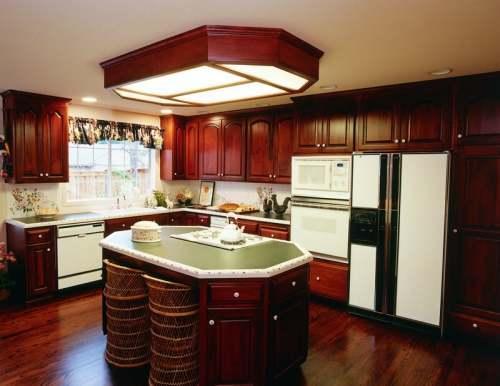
<point>60,343</point>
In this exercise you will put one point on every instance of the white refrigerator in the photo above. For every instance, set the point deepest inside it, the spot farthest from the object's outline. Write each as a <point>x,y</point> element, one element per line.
<point>398,233</point>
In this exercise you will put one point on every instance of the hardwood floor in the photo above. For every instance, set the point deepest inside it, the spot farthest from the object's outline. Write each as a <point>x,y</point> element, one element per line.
<point>61,343</point>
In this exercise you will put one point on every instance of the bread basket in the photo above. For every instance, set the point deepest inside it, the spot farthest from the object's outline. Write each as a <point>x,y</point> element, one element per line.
<point>146,232</point>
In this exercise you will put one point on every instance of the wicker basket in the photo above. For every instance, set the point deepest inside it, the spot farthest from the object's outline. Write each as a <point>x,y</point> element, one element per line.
<point>174,327</point>
<point>123,281</point>
<point>181,376</point>
<point>127,326</point>
<point>135,339</point>
<point>126,363</point>
<point>159,360</point>
<point>127,313</point>
<point>174,347</point>
<point>137,352</point>
<point>121,302</point>
<point>169,297</point>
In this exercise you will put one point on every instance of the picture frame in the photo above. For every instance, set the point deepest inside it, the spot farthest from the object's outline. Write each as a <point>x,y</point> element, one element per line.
<point>206,193</point>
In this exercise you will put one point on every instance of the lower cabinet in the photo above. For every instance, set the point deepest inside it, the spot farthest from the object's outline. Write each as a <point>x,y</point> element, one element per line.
<point>235,352</point>
<point>329,279</point>
<point>288,337</point>
<point>275,231</point>
<point>41,278</point>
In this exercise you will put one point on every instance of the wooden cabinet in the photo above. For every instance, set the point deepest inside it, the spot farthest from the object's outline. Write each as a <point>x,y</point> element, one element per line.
<point>478,111</point>
<point>274,231</point>
<point>474,251</point>
<point>222,149</point>
<point>191,152</point>
<point>172,155</point>
<point>124,223</point>
<point>327,127</point>
<point>269,146</point>
<point>36,128</point>
<point>329,279</point>
<point>251,227</point>
<point>36,269</point>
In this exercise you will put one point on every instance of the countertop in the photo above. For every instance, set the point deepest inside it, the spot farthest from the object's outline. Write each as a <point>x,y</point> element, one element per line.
<point>73,218</point>
<point>201,261</point>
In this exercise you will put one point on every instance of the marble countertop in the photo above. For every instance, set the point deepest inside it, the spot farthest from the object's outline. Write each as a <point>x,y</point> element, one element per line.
<point>74,218</point>
<point>202,261</point>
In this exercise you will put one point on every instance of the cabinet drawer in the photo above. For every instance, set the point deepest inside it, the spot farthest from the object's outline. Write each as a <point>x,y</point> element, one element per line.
<point>118,224</point>
<point>474,327</point>
<point>176,218</point>
<point>234,293</point>
<point>288,285</point>
<point>38,235</point>
<point>251,227</point>
<point>329,280</point>
<point>274,233</point>
<point>204,220</point>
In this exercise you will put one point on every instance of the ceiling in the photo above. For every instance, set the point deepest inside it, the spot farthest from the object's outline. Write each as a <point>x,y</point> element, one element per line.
<point>55,46</point>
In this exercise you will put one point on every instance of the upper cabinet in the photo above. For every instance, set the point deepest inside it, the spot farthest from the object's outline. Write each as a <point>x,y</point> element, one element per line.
<point>412,117</point>
<point>327,128</point>
<point>36,129</point>
<point>172,155</point>
<point>478,111</point>
<point>222,149</point>
<point>269,147</point>
<point>191,151</point>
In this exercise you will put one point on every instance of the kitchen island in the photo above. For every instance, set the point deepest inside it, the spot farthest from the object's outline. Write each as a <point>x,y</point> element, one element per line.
<point>253,301</point>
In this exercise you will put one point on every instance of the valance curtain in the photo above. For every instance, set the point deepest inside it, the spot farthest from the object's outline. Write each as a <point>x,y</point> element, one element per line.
<point>89,131</point>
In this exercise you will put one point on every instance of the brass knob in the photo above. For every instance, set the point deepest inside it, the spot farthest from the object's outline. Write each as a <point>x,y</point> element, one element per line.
<point>318,145</point>
<point>317,278</point>
<point>46,174</point>
<point>270,176</point>
<point>236,294</point>
<point>474,325</point>
<point>459,136</point>
<point>40,236</point>
<point>403,140</point>
<point>175,174</point>
<point>48,249</point>
<point>123,225</point>
<point>41,174</point>
<point>323,145</point>
<point>211,322</point>
<point>396,140</point>
<point>272,235</point>
<point>274,175</point>
<point>222,174</point>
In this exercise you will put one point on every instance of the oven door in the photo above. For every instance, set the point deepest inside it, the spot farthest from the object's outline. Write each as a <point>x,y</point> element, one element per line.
<point>322,230</point>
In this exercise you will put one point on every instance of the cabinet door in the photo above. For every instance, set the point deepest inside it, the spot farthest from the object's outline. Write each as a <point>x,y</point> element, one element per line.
<point>209,145</point>
<point>289,337</point>
<point>329,279</point>
<point>179,152</point>
<point>192,150</point>
<point>27,136</point>
<point>260,149</point>
<point>425,117</point>
<point>190,219</point>
<point>338,127</point>
<point>283,148</point>
<point>233,347</point>
<point>55,142</point>
<point>308,132</point>
<point>233,150</point>
<point>377,123</point>
<point>478,111</point>
<point>40,270</point>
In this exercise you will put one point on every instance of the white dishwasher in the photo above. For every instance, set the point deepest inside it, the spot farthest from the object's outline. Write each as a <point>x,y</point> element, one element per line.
<point>79,256</point>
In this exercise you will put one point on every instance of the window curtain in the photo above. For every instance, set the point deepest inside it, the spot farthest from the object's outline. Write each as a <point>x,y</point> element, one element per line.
<point>89,131</point>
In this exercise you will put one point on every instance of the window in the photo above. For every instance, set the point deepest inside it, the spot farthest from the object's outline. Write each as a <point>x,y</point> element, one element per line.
<point>108,169</point>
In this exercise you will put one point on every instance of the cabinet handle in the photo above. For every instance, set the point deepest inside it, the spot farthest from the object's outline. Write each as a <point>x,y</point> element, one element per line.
<point>275,317</point>
<point>123,225</point>
<point>455,230</point>
<point>272,235</point>
<point>270,176</point>
<point>459,136</point>
<point>222,174</point>
<point>48,249</point>
<point>211,322</point>
<point>396,140</point>
<point>40,236</point>
<point>294,283</point>
<point>403,140</point>
<point>46,174</point>
<point>172,220</point>
<point>323,145</point>
<point>274,176</point>
<point>175,174</point>
<point>236,294</point>
<point>474,325</point>
<point>41,174</point>
<point>318,145</point>
<point>317,278</point>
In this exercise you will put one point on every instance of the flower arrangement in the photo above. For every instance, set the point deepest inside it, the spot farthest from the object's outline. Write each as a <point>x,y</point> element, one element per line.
<point>25,201</point>
<point>185,197</point>
<point>5,282</point>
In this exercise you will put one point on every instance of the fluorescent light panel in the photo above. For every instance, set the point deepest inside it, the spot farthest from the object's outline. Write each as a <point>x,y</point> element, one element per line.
<point>186,81</point>
<point>231,93</point>
<point>147,98</point>
<point>270,74</point>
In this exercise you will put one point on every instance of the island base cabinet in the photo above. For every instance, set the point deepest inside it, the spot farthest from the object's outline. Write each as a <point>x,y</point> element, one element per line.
<point>288,337</point>
<point>233,347</point>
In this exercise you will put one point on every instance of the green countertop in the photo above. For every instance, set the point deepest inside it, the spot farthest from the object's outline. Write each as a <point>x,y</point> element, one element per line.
<point>265,259</point>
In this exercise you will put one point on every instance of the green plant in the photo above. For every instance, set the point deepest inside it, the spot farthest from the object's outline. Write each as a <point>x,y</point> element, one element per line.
<point>160,198</point>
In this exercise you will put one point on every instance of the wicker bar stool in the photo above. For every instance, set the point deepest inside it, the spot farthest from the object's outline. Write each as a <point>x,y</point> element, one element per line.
<point>127,317</point>
<point>174,310</point>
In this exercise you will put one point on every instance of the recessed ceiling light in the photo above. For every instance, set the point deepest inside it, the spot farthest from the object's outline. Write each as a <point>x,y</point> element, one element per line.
<point>166,111</point>
<point>89,99</point>
<point>328,87</point>
<point>440,72</point>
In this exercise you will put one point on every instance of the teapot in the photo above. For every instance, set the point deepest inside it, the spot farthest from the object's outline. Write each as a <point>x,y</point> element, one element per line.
<point>232,233</point>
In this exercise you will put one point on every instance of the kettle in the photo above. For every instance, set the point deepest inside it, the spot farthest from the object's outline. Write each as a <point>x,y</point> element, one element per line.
<point>231,233</point>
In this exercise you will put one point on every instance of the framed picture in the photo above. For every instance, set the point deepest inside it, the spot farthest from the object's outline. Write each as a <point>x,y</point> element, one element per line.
<point>207,192</point>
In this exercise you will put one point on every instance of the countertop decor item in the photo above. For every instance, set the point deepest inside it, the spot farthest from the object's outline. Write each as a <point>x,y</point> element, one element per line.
<point>185,197</point>
<point>207,193</point>
<point>25,201</point>
<point>146,232</point>
<point>47,210</point>
<point>280,209</point>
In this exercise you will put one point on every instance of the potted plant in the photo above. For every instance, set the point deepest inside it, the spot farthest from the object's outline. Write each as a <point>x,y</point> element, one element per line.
<point>6,283</point>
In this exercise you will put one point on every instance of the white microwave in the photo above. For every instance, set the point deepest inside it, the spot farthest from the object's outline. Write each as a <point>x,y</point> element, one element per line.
<point>322,177</point>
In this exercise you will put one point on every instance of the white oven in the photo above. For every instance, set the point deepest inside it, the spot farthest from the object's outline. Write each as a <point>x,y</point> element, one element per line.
<point>322,177</point>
